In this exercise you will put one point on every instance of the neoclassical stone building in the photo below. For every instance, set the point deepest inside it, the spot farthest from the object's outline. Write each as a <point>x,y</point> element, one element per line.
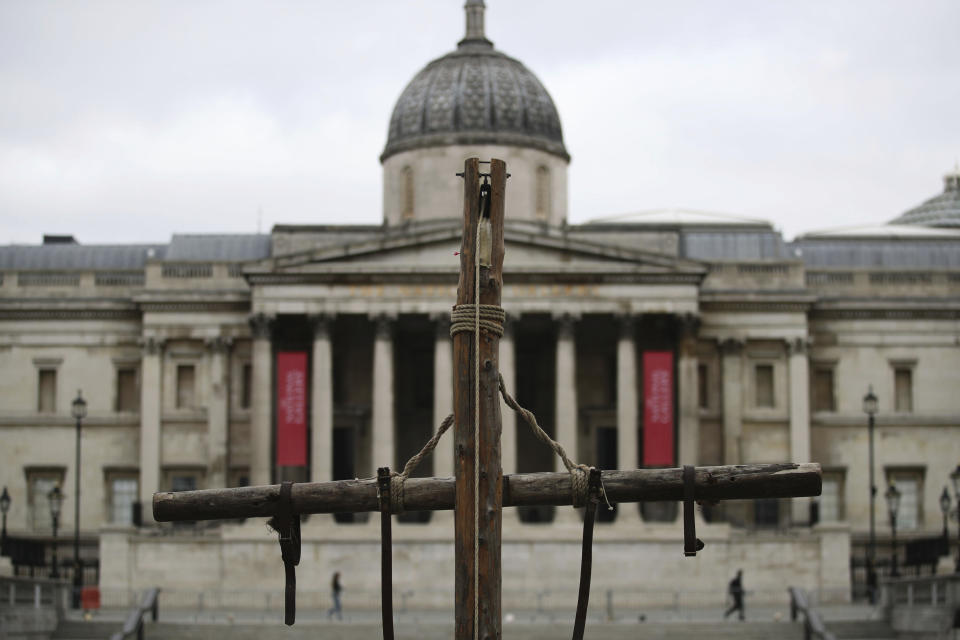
<point>321,352</point>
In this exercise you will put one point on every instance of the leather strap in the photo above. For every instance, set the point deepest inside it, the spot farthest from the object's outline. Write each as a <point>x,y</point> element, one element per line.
<point>691,543</point>
<point>287,524</point>
<point>586,554</point>
<point>386,552</point>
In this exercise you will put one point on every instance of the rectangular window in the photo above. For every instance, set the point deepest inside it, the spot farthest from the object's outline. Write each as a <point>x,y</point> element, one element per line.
<point>703,389</point>
<point>763,380</point>
<point>47,391</point>
<point>903,389</point>
<point>909,483</point>
<point>823,399</point>
<point>183,482</point>
<point>766,512</point>
<point>831,497</point>
<point>39,485</point>
<point>185,386</point>
<point>245,382</point>
<point>128,394</point>
<point>123,490</point>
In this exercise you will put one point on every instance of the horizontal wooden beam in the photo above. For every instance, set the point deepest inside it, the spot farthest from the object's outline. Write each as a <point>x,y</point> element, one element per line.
<point>732,482</point>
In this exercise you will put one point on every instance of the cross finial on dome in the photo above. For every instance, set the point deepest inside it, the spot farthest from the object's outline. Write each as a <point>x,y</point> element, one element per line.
<point>475,35</point>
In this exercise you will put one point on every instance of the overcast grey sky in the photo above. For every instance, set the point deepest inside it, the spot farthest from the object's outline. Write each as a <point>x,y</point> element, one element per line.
<point>127,121</point>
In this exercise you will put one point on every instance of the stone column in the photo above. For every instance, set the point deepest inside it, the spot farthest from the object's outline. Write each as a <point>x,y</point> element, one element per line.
<point>442,405</point>
<point>566,401</point>
<point>218,411</point>
<point>443,395</point>
<point>732,376</point>
<point>321,401</point>
<point>628,408</point>
<point>508,420</point>
<point>261,410</point>
<point>383,449</point>
<point>151,377</point>
<point>688,390</point>
<point>799,420</point>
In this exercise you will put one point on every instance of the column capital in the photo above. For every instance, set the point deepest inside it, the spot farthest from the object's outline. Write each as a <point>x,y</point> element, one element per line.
<point>798,346</point>
<point>218,344</point>
<point>261,326</point>
<point>731,346</point>
<point>565,324</point>
<point>322,324</point>
<point>688,325</point>
<point>441,324</point>
<point>383,324</point>
<point>152,345</point>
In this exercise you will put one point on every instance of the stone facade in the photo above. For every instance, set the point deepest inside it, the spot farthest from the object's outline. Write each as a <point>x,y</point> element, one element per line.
<point>772,344</point>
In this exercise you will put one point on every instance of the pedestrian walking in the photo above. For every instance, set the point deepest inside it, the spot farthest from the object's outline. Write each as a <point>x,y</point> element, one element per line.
<point>735,590</point>
<point>335,589</point>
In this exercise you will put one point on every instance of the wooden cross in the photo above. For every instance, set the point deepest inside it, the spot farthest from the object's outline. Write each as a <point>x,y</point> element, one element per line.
<point>477,537</point>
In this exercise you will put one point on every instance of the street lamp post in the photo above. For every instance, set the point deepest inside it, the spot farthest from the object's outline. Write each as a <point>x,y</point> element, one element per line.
<point>870,408</point>
<point>4,507</point>
<point>955,478</point>
<point>79,412</point>
<point>893,505</point>
<point>56,501</point>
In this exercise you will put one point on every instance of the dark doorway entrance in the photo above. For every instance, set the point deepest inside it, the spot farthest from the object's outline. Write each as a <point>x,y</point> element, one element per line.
<point>606,459</point>
<point>344,462</point>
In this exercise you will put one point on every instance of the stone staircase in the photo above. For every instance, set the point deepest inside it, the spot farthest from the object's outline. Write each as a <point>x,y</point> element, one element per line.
<point>720,630</point>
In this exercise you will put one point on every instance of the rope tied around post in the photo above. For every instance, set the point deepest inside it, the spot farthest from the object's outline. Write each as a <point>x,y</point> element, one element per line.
<point>463,319</point>
<point>579,473</point>
<point>397,479</point>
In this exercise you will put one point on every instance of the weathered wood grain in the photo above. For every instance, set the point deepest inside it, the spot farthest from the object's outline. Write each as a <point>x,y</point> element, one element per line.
<point>733,482</point>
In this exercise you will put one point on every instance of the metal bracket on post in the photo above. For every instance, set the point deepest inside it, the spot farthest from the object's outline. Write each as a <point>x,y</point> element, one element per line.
<point>386,552</point>
<point>287,524</point>
<point>691,543</point>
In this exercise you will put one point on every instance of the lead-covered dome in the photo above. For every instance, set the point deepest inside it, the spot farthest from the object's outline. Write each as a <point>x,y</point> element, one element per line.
<point>940,211</point>
<point>475,95</point>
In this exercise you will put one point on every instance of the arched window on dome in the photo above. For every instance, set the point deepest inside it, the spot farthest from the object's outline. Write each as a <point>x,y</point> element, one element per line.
<point>542,209</point>
<point>407,179</point>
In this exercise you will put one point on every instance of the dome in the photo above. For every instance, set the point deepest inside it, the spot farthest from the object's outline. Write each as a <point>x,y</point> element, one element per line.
<point>475,95</point>
<point>940,211</point>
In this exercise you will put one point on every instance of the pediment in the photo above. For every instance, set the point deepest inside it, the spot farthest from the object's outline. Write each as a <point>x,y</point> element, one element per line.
<point>434,250</point>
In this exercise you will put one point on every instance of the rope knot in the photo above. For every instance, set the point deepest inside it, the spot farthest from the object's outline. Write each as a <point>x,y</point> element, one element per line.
<point>580,484</point>
<point>396,492</point>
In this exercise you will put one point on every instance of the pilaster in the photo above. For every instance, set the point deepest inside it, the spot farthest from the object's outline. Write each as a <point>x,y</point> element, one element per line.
<point>799,419</point>
<point>731,374</point>
<point>218,411</point>
<point>151,370</point>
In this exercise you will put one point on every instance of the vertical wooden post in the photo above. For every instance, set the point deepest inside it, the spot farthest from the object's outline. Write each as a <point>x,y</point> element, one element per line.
<point>487,567</point>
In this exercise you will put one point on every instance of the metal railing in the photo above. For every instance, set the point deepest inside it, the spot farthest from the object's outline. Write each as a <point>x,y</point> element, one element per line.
<point>812,622</point>
<point>134,622</point>
<point>37,593</point>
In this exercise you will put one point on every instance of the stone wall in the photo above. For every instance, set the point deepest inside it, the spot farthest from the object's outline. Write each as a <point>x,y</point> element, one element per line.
<point>642,566</point>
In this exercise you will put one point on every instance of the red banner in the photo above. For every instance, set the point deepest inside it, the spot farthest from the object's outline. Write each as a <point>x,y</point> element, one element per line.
<point>658,444</point>
<point>292,408</point>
